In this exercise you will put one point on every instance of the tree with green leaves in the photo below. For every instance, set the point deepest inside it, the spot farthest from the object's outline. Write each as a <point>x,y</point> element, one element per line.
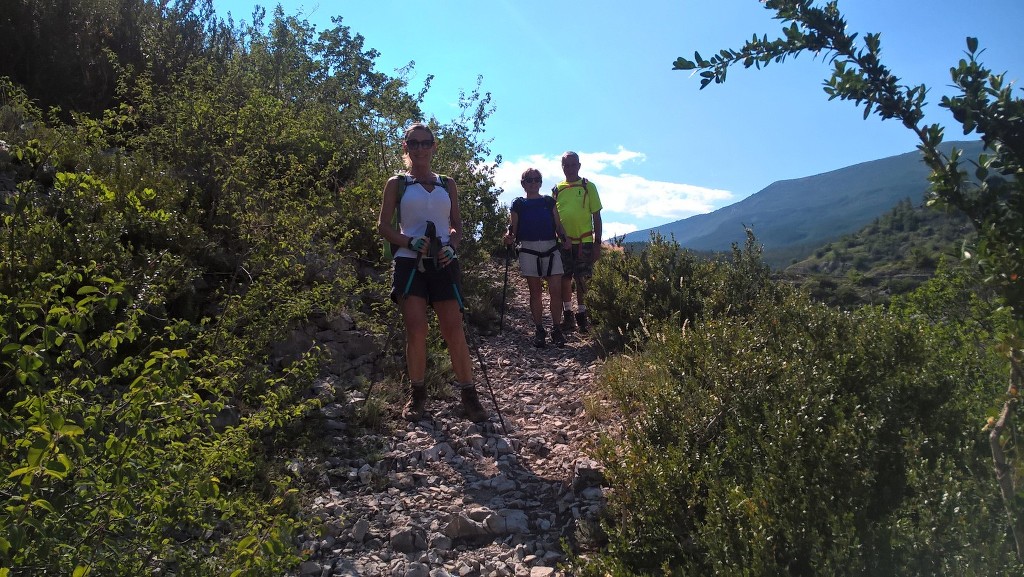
<point>164,224</point>
<point>990,190</point>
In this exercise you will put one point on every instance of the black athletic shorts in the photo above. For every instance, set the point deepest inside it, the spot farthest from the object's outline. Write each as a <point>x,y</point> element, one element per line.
<point>433,283</point>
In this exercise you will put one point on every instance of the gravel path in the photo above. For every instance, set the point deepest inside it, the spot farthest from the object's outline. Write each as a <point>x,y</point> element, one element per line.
<point>450,497</point>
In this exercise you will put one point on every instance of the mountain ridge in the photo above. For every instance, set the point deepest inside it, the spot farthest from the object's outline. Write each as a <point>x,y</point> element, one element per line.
<point>808,211</point>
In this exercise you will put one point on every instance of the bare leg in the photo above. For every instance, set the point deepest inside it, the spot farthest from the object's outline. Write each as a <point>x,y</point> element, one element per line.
<point>566,290</point>
<point>581,290</point>
<point>414,316</point>
<point>555,298</point>
<point>536,285</point>
<point>449,319</point>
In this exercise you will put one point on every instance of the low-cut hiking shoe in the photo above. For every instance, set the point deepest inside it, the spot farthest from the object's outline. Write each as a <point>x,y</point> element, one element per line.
<point>538,339</point>
<point>557,338</point>
<point>568,322</point>
<point>582,322</point>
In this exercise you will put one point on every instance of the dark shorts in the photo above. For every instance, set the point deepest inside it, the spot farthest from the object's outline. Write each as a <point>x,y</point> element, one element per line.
<point>578,261</point>
<point>433,284</point>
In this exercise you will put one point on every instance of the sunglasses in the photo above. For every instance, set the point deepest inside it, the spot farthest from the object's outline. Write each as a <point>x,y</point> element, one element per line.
<point>530,179</point>
<point>417,144</point>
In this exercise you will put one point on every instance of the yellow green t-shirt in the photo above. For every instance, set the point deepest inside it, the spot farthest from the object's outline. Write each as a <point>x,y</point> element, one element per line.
<point>575,205</point>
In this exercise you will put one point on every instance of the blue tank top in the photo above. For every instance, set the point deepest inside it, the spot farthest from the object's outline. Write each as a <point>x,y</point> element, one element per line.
<point>535,219</point>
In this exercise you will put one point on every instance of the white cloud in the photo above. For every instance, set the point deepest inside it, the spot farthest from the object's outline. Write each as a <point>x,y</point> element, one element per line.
<point>613,229</point>
<point>642,198</point>
<point>625,194</point>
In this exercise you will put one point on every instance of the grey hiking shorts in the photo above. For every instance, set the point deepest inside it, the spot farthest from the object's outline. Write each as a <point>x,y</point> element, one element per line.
<point>540,258</point>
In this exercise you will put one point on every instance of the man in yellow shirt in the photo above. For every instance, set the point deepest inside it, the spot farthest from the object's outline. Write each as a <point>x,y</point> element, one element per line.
<point>579,209</point>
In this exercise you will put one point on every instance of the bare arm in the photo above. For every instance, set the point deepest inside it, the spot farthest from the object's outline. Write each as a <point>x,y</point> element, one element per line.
<point>387,213</point>
<point>513,228</point>
<point>560,230</point>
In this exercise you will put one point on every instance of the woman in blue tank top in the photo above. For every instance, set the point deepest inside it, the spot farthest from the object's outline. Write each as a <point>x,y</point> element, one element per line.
<point>534,224</point>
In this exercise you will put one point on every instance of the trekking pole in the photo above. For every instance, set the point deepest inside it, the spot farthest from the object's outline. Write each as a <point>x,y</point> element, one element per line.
<point>431,232</point>
<point>476,347</point>
<point>504,289</point>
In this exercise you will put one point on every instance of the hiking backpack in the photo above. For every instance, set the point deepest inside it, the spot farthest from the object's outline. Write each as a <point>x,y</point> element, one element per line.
<point>549,205</point>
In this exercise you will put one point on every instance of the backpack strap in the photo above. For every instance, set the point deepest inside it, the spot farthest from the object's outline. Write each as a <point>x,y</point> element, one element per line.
<point>391,248</point>
<point>583,184</point>
<point>403,182</point>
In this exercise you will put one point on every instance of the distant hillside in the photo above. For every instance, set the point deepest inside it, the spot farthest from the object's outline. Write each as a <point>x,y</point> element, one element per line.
<point>794,217</point>
<point>892,255</point>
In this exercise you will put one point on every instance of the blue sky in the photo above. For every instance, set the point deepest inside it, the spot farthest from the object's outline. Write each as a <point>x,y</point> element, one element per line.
<point>596,77</point>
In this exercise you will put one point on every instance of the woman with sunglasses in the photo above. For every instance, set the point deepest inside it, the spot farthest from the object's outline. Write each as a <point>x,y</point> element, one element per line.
<point>534,223</point>
<point>426,268</point>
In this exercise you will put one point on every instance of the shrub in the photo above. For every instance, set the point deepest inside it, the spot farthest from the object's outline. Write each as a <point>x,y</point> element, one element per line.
<point>663,285</point>
<point>802,440</point>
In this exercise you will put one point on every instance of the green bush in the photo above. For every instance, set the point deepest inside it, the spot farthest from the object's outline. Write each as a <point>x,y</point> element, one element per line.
<point>802,440</point>
<point>633,293</point>
<point>221,189</point>
<point>109,461</point>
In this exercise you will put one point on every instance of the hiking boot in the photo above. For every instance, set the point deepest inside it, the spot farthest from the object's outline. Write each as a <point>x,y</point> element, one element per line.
<point>471,404</point>
<point>557,338</point>
<point>568,322</point>
<point>582,322</point>
<point>538,339</point>
<point>413,410</point>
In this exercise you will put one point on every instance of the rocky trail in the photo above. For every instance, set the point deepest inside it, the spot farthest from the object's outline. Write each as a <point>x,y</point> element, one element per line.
<point>447,497</point>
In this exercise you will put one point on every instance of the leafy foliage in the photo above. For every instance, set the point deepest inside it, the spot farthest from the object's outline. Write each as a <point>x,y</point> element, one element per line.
<point>632,292</point>
<point>990,191</point>
<point>201,191</point>
<point>893,255</point>
<point>787,437</point>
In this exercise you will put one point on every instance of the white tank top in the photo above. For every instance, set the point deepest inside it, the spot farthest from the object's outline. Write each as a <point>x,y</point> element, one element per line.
<point>418,206</point>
